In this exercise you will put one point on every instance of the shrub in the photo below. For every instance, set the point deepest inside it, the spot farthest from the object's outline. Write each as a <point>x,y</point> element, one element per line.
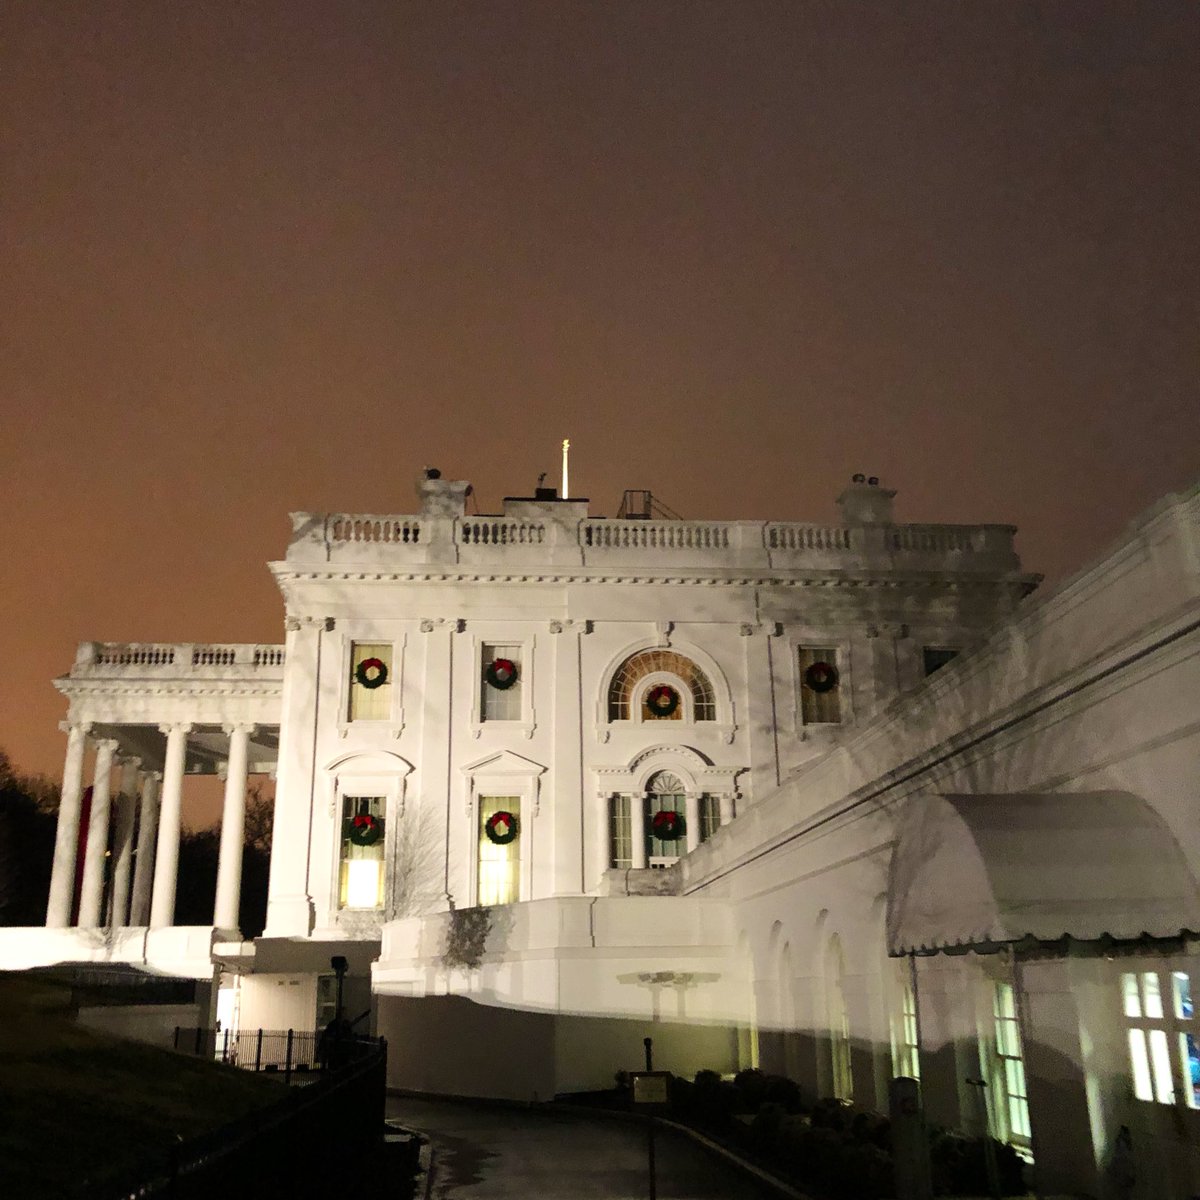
<point>751,1088</point>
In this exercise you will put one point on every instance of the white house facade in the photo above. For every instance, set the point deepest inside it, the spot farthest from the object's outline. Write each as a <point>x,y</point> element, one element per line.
<point>715,782</point>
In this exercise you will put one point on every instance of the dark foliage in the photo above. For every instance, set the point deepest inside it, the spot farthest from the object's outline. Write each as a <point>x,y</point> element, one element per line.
<point>27,824</point>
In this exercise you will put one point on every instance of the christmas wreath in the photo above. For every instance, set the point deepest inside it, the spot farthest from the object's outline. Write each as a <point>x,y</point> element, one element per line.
<point>365,830</point>
<point>667,825</point>
<point>501,828</point>
<point>821,677</point>
<point>662,700</point>
<point>501,673</point>
<point>371,673</point>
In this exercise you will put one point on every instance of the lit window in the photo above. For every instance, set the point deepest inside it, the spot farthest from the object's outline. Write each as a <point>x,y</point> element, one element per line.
<point>839,1021</point>
<point>820,686</point>
<point>1156,1029</point>
<point>620,832</point>
<point>360,877</point>
<point>501,687</point>
<point>652,662</point>
<point>499,850</point>
<point>906,1052</point>
<point>370,681</point>
<point>1008,1073</point>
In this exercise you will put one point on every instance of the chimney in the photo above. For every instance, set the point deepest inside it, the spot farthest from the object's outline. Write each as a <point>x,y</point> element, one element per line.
<point>864,502</point>
<point>442,497</point>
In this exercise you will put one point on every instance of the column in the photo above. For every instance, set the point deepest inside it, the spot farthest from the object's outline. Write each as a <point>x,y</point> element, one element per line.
<point>637,829</point>
<point>725,800</point>
<point>691,820</point>
<point>123,840</point>
<point>166,858</point>
<point>92,891</point>
<point>233,828</point>
<point>143,871</point>
<point>66,837</point>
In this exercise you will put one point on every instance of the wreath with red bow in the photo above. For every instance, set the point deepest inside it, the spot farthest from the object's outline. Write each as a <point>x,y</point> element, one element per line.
<point>501,673</point>
<point>662,700</point>
<point>501,828</point>
<point>821,677</point>
<point>371,673</point>
<point>667,825</point>
<point>364,830</point>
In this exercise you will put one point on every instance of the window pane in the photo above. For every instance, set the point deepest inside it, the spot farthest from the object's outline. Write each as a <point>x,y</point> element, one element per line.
<point>1189,1054</point>
<point>621,832</point>
<point>819,707</point>
<point>500,703</point>
<point>1160,1060</point>
<point>1151,995</point>
<point>1182,987</point>
<point>370,700</point>
<point>361,874</point>
<point>1133,999</point>
<point>656,847</point>
<point>499,866</point>
<point>710,816</point>
<point>1139,1061</point>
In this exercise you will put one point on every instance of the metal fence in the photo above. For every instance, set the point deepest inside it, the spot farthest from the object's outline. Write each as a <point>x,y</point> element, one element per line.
<point>318,1141</point>
<point>287,1050</point>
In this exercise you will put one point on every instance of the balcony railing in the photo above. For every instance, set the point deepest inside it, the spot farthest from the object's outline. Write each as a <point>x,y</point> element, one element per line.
<point>397,541</point>
<point>233,658</point>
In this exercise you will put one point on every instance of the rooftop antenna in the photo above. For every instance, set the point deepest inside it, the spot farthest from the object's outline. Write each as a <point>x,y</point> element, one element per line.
<point>566,467</point>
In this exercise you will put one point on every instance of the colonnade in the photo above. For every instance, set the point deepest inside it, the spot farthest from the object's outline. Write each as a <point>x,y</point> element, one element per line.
<point>151,802</point>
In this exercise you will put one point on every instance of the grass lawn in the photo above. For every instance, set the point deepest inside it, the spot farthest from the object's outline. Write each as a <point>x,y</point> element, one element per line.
<point>78,1105</point>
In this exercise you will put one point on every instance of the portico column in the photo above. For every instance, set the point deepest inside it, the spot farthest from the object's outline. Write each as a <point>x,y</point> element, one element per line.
<point>92,891</point>
<point>166,858</point>
<point>233,828</point>
<point>637,827</point>
<point>66,837</point>
<point>143,872</point>
<point>123,840</point>
<point>691,821</point>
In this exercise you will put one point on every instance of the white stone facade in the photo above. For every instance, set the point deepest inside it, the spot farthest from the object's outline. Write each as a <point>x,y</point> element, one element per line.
<point>758,936</point>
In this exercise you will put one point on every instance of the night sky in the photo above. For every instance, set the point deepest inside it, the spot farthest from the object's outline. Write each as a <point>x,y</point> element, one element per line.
<point>266,257</point>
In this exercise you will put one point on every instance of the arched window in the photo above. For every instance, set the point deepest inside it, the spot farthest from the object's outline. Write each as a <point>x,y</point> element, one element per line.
<point>634,839</point>
<point>654,662</point>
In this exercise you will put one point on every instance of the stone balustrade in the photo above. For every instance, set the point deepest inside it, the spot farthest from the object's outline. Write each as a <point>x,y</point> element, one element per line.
<point>398,542</point>
<point>132,659</point>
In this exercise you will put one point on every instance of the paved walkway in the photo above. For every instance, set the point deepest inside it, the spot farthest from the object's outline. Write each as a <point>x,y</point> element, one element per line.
<point>481,1152</point>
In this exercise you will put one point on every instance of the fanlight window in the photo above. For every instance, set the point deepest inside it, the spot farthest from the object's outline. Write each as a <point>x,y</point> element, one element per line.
<point>652,662</point>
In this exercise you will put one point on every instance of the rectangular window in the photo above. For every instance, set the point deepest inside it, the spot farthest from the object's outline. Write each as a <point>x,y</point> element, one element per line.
<point>501,684</point>
<point>499,850</point>
<point>326,1000</point>
<point>936,657</point>
<point>620,831</point>
<point>360,877</point>
<point>820,686</point>
<point>660,851</point>
<point>906,1056</point>
<point>1162,1028</point>
<point>710,816</point>
<point>370,681</point>
<point>1009,1075</point>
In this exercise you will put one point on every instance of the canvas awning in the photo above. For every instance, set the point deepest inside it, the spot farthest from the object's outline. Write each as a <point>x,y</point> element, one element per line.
<point>978,871</point>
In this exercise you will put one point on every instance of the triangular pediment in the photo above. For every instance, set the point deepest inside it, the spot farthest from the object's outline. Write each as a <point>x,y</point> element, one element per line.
<point>504,762</point>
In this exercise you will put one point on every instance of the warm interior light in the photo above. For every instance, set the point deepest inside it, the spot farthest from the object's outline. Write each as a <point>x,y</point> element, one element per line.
<point>362,883</point>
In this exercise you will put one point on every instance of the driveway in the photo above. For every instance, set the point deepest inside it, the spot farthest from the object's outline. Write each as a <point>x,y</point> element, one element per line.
<point>482,1151</point>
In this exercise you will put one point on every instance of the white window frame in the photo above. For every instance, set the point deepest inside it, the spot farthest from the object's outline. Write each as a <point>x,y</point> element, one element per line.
<point>841,648</point>
<point>394,722</point>
<point>527,722</point>
<point>504,774</point>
